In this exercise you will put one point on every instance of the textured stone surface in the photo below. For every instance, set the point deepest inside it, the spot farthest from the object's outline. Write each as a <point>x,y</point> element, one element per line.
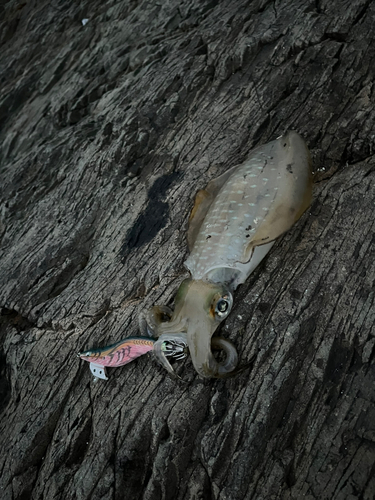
<point>108,129</point>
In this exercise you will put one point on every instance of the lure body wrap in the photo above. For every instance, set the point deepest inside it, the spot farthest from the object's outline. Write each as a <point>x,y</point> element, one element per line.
<point>120,353</point>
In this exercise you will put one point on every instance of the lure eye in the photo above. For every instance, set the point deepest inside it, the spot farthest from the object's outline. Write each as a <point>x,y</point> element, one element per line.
<point>223,306</point>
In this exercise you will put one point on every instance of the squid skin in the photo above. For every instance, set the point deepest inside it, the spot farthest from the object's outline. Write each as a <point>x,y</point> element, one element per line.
<point>233,225</point>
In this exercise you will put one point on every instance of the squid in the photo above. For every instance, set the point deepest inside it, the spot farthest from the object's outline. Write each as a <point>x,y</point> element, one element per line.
<point>234,223</point>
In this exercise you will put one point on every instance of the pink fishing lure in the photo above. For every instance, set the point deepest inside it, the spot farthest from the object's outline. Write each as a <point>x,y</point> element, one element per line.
<point>127,350</point>
<point>117,354</point>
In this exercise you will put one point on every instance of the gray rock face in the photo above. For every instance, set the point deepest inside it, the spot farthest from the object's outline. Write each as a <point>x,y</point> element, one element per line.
<point>108,129</point>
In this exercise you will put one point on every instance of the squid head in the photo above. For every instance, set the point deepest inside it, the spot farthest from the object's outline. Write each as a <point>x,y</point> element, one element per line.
<point>200,306</point>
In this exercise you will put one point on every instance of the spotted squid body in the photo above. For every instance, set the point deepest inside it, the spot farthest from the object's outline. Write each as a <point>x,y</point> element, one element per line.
<point>233,225</point>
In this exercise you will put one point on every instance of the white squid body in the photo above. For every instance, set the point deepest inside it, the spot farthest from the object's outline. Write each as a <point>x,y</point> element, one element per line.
<point>238,217</point>
<point>234,223</point>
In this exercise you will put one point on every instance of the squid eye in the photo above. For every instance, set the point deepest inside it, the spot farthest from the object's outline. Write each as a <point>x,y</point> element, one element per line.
<point>223,306</point>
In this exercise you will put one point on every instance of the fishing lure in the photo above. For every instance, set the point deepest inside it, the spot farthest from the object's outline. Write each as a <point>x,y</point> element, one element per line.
<point>233,225</point>
<point>127,350</point>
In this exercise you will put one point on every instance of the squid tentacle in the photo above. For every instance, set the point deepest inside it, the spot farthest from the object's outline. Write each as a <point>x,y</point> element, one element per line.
<point>149,321</point>
<point>231,356</point>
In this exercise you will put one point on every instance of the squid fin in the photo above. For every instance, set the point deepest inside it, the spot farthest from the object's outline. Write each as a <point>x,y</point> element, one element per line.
<point>280,220</point>
<point>202,203</point>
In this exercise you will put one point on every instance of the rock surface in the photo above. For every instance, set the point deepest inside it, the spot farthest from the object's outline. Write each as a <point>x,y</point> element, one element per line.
<point>113,114</point>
